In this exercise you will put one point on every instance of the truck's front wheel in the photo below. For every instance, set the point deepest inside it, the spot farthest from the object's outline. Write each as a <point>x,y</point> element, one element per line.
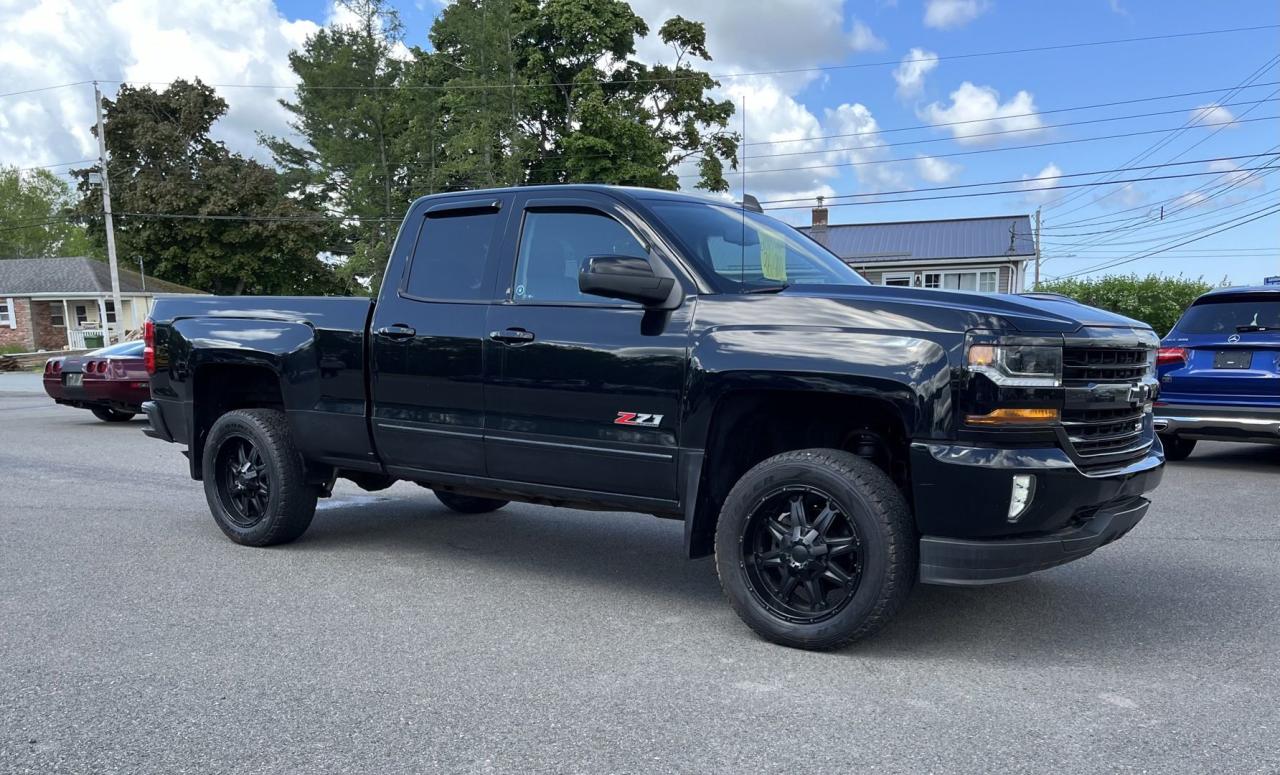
<point>254,479</point>
<point>815,548</point>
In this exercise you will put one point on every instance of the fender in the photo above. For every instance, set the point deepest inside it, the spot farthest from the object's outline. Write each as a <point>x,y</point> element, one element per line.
<point>324,397</point>
<point>906,370</point>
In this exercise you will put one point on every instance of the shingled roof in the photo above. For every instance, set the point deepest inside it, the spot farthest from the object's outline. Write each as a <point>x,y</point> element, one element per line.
<point>77,274</point>
<point>962,238</point>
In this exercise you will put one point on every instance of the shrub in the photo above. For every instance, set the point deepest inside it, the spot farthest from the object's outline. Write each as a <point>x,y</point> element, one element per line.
<point>1156,301</point>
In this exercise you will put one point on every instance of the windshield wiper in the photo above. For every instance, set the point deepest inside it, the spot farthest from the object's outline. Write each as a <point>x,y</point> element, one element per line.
<point>766,288</point>
<point>1251,327</point>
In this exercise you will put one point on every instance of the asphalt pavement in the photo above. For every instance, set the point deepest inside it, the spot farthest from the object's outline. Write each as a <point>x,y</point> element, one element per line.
<point>397,636</point>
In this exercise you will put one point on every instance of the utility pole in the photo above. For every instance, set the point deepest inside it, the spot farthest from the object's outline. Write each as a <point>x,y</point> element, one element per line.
<point>111,233</point>
<point>1036,287</point>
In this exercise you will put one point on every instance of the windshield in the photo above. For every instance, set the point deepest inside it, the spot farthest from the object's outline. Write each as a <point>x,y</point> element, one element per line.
<point>1243,313</point>
<point>746,250</point>
<point>124,349</point>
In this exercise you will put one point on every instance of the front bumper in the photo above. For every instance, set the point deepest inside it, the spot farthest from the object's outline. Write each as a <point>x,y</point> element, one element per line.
<point>1219,422</point>
<point>958,562</point>
<point>962,496</point>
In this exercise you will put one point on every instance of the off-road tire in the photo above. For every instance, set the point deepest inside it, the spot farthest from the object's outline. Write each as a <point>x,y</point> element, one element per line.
<point>1177,449</point>
<point>291,502</point>
<point>111,415</point>
<point>889,545</point>
<point>468,504</point>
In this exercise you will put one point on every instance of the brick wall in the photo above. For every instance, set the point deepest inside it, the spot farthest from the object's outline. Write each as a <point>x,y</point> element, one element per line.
<point>45,335</point>
<point>21,335</point>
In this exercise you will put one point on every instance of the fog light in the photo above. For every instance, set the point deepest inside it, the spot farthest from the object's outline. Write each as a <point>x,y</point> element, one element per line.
<point>1024,490</point>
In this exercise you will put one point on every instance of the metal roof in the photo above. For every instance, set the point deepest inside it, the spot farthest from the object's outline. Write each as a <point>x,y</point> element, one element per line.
<point>77,274</point>
<point>1007,236</point>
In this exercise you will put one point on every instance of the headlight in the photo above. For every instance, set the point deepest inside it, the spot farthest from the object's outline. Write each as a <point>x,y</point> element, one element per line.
<point>1017,365</point>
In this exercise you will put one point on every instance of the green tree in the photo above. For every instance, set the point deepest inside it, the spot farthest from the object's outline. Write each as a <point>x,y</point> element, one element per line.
<point>511,92</point>
<point>353,121</point>
<point>34,221</point>
<point>199,214</point>
<point>1155,300</point>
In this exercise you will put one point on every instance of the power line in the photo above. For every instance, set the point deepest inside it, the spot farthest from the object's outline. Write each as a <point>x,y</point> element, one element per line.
<point>1024,115</point>
<point>1165,220</point>
<point>1006,191</point>
<point>866,162</point>
<point>1008,181</point>
<point>1234,223</point>
<point>45,88</point>
<point>59,164</point>
<point>789,71</point>
<point>1194,118</point>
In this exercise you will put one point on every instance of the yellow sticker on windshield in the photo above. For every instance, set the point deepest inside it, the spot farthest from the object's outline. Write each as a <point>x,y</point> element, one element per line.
<point>773,257</point>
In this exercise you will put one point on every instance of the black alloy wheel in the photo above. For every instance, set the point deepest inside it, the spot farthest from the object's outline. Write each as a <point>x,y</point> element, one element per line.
<point>802,554</point>
<point>244,482</point>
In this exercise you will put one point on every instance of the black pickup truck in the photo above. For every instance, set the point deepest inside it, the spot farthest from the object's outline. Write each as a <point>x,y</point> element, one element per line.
<point>633,350</point>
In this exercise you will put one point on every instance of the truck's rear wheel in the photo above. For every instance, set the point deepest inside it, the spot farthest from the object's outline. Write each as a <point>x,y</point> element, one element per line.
<point>254,479</point>
<point>1176,448</point>
<point>815,548</point>
<point>468,504</point>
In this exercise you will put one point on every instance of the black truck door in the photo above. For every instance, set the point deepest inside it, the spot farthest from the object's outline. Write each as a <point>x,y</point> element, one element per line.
<point>426,343</point>
<point>583,392</point>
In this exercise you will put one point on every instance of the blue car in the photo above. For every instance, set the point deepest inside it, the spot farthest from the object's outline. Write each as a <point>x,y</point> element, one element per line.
<point>1219,371</point>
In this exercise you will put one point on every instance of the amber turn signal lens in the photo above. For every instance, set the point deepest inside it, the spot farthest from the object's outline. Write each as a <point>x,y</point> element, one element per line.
<point>1014,417</point>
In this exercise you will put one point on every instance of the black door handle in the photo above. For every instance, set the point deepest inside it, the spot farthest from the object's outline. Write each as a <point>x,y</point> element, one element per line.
<point>512,336</point>
<point>397,331</point>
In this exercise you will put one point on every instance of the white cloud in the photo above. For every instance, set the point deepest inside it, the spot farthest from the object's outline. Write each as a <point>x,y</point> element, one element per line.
<point>910,73</point>
<point>980,110</point>
<point>934,170</point>
<point>1213,114</point>
<point>1116,8</point>
<point>784,34</point>
<point>60,41</point>
<point>1039,187</point>
<point>863,39</point>
<point>1234,176</point>
<point>946,14</point>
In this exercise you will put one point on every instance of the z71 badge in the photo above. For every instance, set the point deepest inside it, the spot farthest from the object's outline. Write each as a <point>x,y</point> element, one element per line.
<point>638,418</point>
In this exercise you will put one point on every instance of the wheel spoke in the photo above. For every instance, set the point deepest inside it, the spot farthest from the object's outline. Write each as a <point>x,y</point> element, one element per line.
<point>788,587</point>
<point>813,589</point>
<point>798,519</point>
<point>824,520</point>
<point>773,559</point>
<point>836,576</point>
<point>837,547</point>
<point>776,529</point>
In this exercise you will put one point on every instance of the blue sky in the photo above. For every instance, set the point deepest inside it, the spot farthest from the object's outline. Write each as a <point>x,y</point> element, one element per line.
<point>1052,80</point>
<point>247,41</point>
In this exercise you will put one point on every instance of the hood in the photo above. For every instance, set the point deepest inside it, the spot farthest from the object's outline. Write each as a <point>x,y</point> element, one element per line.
<point>1031,314</point>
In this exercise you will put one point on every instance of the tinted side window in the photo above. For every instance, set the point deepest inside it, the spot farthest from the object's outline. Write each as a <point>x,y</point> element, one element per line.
<point>553,246</point>
<point>452,254</point>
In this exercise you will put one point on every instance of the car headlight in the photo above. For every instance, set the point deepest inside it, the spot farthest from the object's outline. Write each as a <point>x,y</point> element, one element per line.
<point>1009,364</point>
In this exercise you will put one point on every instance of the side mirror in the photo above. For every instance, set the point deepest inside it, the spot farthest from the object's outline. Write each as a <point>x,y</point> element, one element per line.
<point>624,277</point>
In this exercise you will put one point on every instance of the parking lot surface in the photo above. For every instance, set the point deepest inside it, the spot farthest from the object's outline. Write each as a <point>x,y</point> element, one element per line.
<point>399,636</point>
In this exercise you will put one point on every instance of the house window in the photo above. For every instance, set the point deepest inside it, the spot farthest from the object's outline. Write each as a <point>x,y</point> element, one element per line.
<point>82,315</point>
<point>898,279</point>
<point>56,317</point>
<point>6,313</point>
<point>981,280</point>
<point>111,312</point>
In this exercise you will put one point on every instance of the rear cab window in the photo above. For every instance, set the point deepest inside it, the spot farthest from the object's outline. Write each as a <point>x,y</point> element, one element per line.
<point>452,254</point>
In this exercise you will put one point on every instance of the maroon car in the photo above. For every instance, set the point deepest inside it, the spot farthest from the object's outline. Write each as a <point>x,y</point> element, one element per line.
<point>111,382</point>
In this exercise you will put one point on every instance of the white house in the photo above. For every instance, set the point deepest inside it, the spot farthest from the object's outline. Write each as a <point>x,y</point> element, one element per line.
<point>61,303</point>
<point>987,254</point>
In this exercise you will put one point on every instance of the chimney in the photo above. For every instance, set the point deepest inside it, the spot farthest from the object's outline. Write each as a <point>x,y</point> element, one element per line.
<point>819,217</point>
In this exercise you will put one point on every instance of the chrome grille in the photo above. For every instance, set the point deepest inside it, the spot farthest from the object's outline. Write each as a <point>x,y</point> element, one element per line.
<point>1099,422</point>
<point>1098,364</point>
<point>1105,431</point>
